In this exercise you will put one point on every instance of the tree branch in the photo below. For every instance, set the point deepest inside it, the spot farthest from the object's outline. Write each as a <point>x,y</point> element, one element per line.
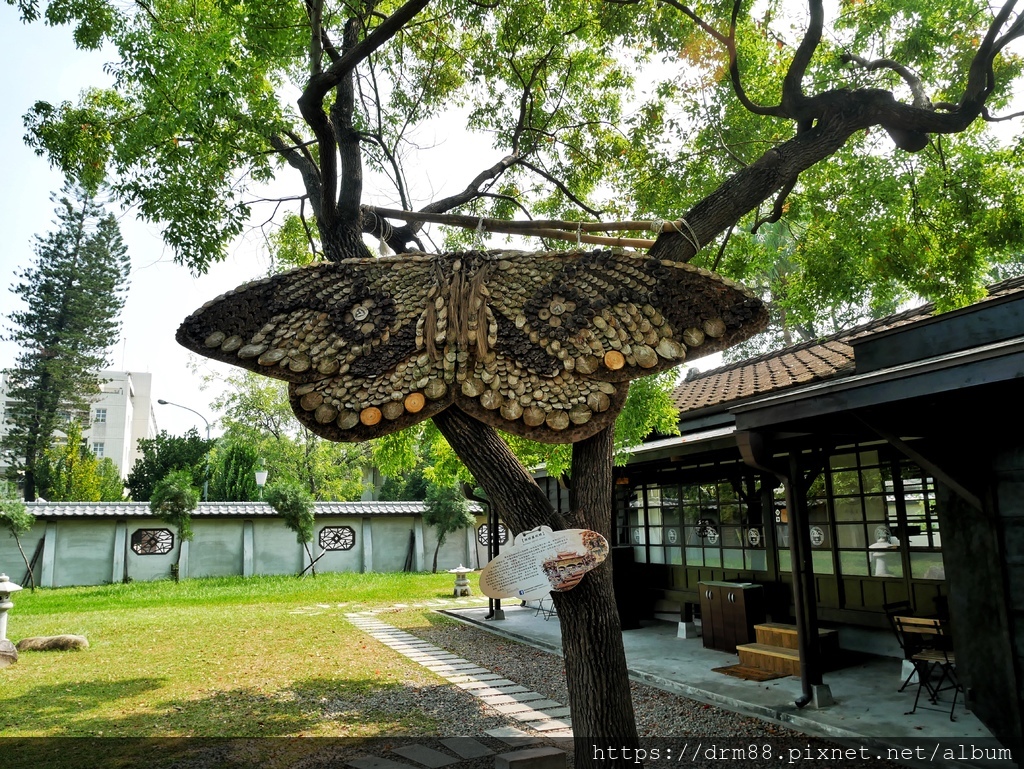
<point>560,186</point>
<point>729,42</point>
<point>319,86</point>
<point>921,100</point>
<point>792,84</point>
<point>303,163</point>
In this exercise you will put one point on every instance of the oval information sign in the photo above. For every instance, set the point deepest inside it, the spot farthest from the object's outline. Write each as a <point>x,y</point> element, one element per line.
<point>542,560</point>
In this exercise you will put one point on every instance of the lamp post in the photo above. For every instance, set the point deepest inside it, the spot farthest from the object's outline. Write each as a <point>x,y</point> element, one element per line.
<point>206,474</point>
<point>261,477</point>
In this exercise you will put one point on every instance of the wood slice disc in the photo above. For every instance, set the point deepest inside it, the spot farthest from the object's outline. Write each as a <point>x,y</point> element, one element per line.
<point>370,416</point>
<point>587,364</point>
<point>251,350</point>
<point>393,410</point>
<point>693,337</point>
<point>715,327</point>
<point>614,360</point>
<point>270,357</point>
<point>414,402</point>
<point>348,419</point>
<point>598,401</point>
<point>670,349</point>
<point>232,343</point>
<point>534,416</point>
<point>299,363</point>
<point>491,399</point>
<point>328,367</point>
<point>325,413</point>
<point>311,401</point>
<point>472,388</point>
<point>512,410</point>
<point>645,356</point>
<point>557,420</point>
<point>580,414</point>
<point>435,389</point>
<point>214,340</point>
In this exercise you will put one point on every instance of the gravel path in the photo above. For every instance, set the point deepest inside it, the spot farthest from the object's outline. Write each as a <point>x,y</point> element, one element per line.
<point>658,713</point>
<point>665,721</point>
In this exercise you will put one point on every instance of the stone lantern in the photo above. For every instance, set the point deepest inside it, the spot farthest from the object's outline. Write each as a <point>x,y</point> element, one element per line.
<point>461,581</point>
<point>8,654</point>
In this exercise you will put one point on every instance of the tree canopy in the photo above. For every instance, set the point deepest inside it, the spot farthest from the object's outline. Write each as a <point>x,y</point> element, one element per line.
<point>73,294</point>
<point>446,510</point>
<point>69,472</point>
<point>635,109</point>
<point>174,499</point>
<point>259,425</point>
<point>161,455</point>
<point>17,520</point>
<point>295,505</point>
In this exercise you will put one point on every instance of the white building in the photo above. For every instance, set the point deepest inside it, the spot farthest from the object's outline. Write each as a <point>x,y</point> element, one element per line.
<point>119,416</point>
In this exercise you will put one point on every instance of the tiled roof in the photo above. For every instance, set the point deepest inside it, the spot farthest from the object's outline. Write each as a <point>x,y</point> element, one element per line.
<point>800,364</point>
<point>219,509</point>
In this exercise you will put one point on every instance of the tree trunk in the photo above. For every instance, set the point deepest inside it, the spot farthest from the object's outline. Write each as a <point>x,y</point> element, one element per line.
<point>436,551</point>
<point>595,660</point>
<point>312,560</point>
<point>28,566</point>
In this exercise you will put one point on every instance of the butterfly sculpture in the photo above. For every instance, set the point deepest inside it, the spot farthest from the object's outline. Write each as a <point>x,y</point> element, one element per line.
<point>541,345</point>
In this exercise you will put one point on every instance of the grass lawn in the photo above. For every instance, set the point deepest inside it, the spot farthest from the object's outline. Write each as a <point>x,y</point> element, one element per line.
<point>230,657</point>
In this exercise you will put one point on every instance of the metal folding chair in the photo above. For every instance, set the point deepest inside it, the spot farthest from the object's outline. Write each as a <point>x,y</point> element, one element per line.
<point>545,606</point>
<point>909,646</point>
<point>933,655</point>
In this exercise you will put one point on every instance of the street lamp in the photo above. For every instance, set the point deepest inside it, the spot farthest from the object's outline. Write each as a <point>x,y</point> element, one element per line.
<point>206,476</point>
<point>261,477</point>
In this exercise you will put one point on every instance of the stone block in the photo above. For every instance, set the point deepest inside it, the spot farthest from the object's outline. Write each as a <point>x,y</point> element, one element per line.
<point>8,654</point>
<point>53,643</point>
<point>531,758</point>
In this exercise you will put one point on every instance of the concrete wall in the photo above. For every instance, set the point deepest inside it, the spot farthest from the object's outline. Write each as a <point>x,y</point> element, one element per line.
<point>93,551</point>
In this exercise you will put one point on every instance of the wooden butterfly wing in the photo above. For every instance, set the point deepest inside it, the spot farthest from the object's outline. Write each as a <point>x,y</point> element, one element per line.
<point>347,336</point>
<point>541,345</point>
<point>571,329</point>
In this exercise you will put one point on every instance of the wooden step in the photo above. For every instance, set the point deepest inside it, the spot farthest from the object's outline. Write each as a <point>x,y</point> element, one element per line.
<point>778,659</point>
<point>782,635</point>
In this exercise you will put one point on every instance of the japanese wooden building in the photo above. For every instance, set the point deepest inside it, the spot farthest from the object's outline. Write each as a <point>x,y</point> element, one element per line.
<point>881,465</point>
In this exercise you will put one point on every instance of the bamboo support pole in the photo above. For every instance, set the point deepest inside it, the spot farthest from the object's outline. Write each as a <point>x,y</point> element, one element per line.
<point>542,228</point>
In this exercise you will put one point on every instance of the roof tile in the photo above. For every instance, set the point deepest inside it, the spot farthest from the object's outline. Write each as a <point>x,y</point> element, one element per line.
<point>800,364</point>
<point>221,509</point>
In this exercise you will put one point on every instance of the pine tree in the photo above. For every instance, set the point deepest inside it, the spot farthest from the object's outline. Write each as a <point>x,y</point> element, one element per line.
<point>73,293</point>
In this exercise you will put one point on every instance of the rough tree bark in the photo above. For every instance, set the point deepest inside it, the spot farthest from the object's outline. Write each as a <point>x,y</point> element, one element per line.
<point>595,658</point>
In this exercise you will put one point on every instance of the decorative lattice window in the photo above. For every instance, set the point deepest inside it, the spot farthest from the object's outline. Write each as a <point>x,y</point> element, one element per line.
<point>152,541</point>
<point>483,534</point>
<point>337,538</point>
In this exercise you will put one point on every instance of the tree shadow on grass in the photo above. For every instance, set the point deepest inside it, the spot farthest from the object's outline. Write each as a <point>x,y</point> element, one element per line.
<point>58,703</point>
<point>236,729</point>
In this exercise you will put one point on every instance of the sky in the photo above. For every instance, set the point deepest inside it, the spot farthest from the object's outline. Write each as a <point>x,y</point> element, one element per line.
<point>43,65</point>
<point>161,293</point>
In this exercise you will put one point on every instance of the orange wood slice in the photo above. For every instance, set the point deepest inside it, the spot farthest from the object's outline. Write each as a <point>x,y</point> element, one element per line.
<point>370,416</point>
<point>614,360</point>
<point>414,402</point>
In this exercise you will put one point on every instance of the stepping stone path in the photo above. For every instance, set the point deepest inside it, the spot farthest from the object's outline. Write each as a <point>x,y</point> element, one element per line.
<point>537,715</point>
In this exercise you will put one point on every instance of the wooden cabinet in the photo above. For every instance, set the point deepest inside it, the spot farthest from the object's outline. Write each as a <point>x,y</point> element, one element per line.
<point>729,611</point>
